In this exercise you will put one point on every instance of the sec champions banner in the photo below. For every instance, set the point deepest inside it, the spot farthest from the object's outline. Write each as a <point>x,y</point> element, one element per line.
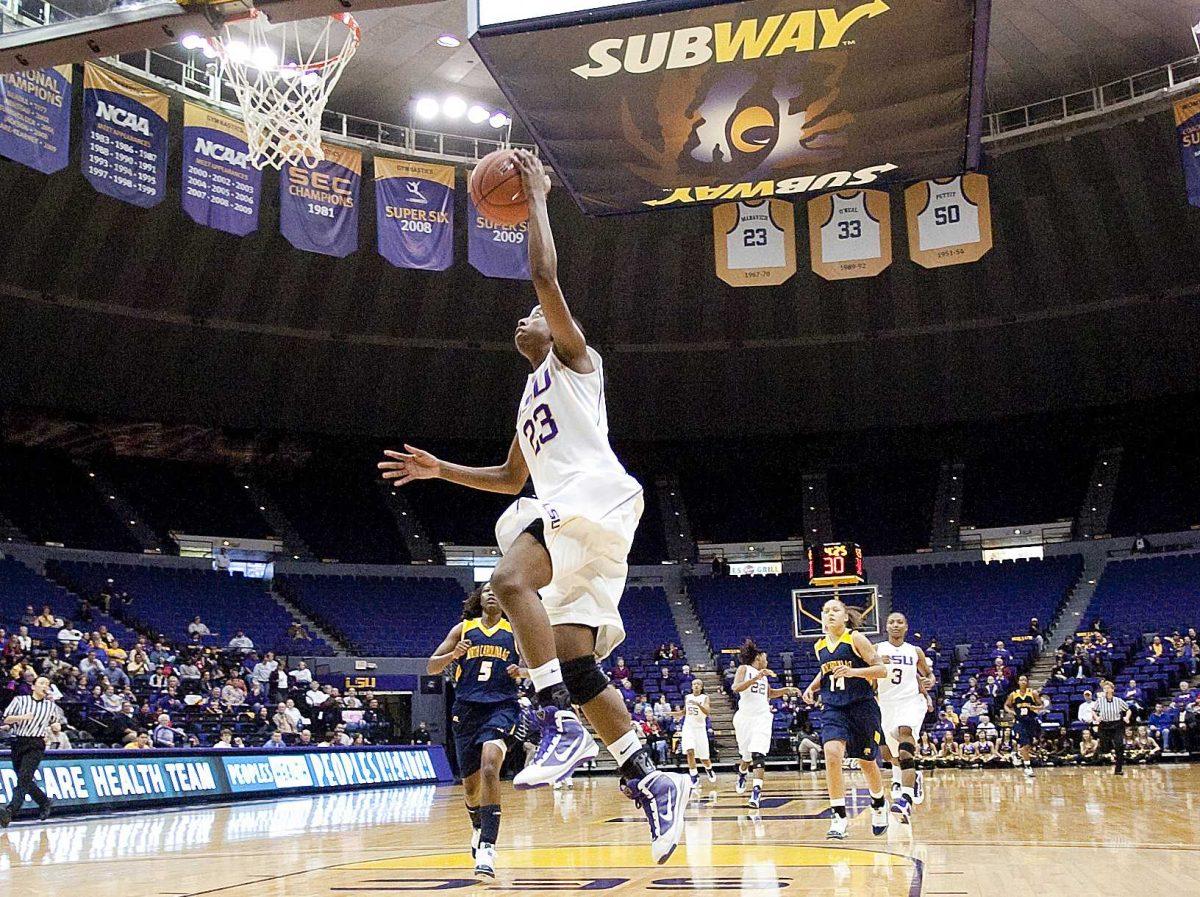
<point>318,207</point>
<point>704,101</point>
<point>949,220</point>
<point>221,188</point>
<point>414,213</point>
<point>35,118</point>
<point>1187,125</point>
<point>850,234</point>
<point>124,151</point>
<point>755,242</point>
<point>497,250</point>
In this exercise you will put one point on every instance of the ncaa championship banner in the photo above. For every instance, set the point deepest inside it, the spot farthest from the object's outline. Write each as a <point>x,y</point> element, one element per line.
<point>414,213</point>
<point>1187,125</point>
<point>221,187</point>
<point>755,242</point>
<point>496,250</point>
<point>35,118</point>
<point>125,133</point>
<point>949,220</point>
<point>850,234</point>
<point>674,102</point>
<point>318,207</point>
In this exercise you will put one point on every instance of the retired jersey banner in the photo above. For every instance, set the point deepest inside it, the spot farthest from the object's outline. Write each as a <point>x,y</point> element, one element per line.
<point>414,213</point>
<point>1187,125</point>
<point>652,104</point>
<point>35,118</point>
<point>949,220</point>
<point>221,187</point>
<point>755,242</point>
<point>125,132</point>
<point>497,250</point>
<point>850,234</point>
<point>318,207</point>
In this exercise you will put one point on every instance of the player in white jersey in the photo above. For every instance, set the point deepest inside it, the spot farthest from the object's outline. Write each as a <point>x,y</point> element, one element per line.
<point>571,542</point>
<point>753,719</point>
<point>693,738</point>
<point>949,217</point>
<point>756,240</point>
<point>904,703</point>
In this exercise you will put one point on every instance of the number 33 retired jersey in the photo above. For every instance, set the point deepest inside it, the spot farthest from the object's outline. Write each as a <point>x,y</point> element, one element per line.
<point>482,675</point>
<point>562,427</point>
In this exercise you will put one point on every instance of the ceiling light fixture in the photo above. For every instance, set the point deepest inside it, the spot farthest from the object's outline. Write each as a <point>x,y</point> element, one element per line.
<point>500,120</point>
<point>454,107</point>
<point>449,41</point>
<point>427,108</point>
<point>477,115</point>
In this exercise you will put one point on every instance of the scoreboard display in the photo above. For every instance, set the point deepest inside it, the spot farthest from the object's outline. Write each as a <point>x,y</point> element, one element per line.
<point>835,564</point>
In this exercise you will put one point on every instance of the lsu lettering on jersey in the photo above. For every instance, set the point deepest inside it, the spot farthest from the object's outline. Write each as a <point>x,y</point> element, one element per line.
<point>949,217</point>
<point>562,427</point>
<point>900,684</point>
<point>482,674</point>
<point>756,240</point>
<point>851,233</point>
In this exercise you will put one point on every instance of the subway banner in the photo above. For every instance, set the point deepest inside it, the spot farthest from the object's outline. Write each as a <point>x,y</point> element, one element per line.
<point>221,188</point>
<point>133,778</point>
<point>35,118</point>
<point>496,250</point>
<point>125,133</point>
<point>667,103</point>
<point>1187,125</point>
<point>318,207</point>
<point>414,213</point>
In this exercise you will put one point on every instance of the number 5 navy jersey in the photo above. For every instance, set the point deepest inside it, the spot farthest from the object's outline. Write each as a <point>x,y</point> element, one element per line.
<point>834,653</point>
<point>482,675</point>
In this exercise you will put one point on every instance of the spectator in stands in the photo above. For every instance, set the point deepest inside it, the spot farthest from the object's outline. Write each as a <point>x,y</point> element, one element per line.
<point>263,670</point>
<point>685,679</point>
<point>1156,649</point>
<point>141,741</point>
<point>46,619</point>
<point>625,687</point>
<point>808,744</point>
<point>972,709</point>
<point>24,642</point>
<point>110,700</point>
<point>198,627</point>
<point>942,726</point>
<point>221,561</point>
<point>1001,671</point>
<point>275,741</point>
<point>225,741</point>
<point>166,735</point>
<point>138,666</point>
<point>1134,697</point>
<point>1002,652</point>
<point>116,674</point>
<point>620,671</point>
<point>297,633</point>
<point>29,618</point>
<point>720,566</point>
<point>1086,713</point>
<point>420,734</point>
<point>351,701</point>
<point>241,642</point>
<point>662,710</point>
<point>283,722</point>
<point>663,652</point>
<point>731,671</point>
<point>306,738</point>
<point>338,737</point>
<point>57,739</point>
<point>1187,654</point>
<point>641,708</point>
<point>656,742</point>
<point>188,671</point>
<point>293,714</point>
<point>233,695</point>
<point>1035,633</point>
<point>665,675</point>
<point>301,676</point>
<point>986,730</point>
<point>69,636</point>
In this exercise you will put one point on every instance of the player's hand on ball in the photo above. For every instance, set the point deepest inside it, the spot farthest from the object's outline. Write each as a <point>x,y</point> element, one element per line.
<point>411,464</point>
<point>461,648</point>
<point>533,173</point>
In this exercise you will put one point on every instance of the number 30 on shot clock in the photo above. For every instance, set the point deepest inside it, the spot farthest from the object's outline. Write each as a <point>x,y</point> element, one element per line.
<point>835,564</point>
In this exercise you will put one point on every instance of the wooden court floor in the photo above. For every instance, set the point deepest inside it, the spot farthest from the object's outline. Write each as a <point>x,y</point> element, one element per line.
<point>980,834</point>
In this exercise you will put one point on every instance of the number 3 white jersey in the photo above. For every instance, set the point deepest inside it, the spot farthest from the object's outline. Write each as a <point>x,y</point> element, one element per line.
<point>900,684</point>
<point>850,234</point>
<point>562,427</point>
<point>756,241</point>
<point>949,218</point>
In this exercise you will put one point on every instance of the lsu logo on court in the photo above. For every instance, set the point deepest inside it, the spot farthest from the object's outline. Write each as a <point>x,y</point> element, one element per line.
<point>754,190</point>
<point>122,117</point>
<point>220,153</point>
<point>802,31</point>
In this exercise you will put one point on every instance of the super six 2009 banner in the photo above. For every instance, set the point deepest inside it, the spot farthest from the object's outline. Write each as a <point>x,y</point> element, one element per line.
<point>700,102</point>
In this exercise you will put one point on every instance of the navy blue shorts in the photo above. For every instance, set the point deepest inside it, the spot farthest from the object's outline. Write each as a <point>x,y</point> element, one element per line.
<point>859,725</point>
<point>1027,729</point>
<point>475,725</point>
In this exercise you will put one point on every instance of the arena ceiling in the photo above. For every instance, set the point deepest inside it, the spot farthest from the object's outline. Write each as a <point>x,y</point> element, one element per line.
<point>1039,49</point>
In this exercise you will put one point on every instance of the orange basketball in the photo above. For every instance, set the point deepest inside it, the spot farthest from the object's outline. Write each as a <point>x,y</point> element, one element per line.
<point>497,191</point>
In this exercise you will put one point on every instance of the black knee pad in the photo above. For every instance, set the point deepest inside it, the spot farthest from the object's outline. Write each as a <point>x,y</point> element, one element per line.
<point>584,679</point>
<point>758,760</point>
<point>907,750</point>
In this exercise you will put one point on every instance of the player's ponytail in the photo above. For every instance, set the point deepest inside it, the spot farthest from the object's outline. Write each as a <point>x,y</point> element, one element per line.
<point>748,652</point>
<point>854,617</point>
<point>473,606</point>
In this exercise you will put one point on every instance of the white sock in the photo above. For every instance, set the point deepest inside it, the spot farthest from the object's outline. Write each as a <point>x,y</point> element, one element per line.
<point>896,780</point>
<point>875,796</point>
<point>906,792</point>
<point>547,675</point>
<point>758,783</point>
<point>625,747</point>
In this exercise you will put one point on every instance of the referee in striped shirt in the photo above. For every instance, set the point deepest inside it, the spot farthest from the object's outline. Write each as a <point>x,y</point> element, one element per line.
<point>1112,713</point>
<point>30,717</point>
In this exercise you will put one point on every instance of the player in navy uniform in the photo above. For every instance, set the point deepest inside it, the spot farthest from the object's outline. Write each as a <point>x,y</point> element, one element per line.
<point>486,712</point>
<point>1025,704</point>
<point>850,719</point>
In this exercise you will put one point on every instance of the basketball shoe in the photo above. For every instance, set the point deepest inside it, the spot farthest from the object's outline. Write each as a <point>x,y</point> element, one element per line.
<point>663,797</point>
<point>564,746</point>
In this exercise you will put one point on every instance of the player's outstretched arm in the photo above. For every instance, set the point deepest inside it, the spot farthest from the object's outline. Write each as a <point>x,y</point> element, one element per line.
<point>509,478</point>
<point>569,342</point>
<point>453,647</point>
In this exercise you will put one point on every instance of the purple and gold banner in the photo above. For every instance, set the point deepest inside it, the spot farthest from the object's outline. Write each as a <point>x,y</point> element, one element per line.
<point>497,250</point>
<point>414,213</point>
<point>1187,125</point>
<point>221,188</point>
<point>35,118</point>
<point>125,131</point>
<point>318,207</point>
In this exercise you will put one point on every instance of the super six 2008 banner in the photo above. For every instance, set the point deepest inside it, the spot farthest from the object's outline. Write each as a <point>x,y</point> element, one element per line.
<point>701,102</point>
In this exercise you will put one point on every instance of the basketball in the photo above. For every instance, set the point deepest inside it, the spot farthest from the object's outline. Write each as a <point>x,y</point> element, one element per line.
<point>496,189</point>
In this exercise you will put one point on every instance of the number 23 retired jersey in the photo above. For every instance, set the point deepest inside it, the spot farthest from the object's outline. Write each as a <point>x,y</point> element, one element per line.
<point>562,427</point>
<point>482,674</point>
<point>756,241</point>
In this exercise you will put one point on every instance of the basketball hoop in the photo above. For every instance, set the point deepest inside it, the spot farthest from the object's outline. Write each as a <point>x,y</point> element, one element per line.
<point>281,87</point>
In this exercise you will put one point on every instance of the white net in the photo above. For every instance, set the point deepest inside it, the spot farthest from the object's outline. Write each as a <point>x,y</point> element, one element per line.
<point>283,75</point>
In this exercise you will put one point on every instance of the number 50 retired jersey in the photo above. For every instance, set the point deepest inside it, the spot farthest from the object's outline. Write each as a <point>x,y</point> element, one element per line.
<point>482,675</point>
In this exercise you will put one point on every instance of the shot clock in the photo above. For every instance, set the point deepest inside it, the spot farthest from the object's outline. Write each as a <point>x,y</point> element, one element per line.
<point>835,564</point>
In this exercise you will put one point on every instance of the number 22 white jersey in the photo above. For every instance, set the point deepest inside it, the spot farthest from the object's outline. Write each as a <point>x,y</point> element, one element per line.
<point>900,684</point>
<point>562,427</point>
<point>753,700</point>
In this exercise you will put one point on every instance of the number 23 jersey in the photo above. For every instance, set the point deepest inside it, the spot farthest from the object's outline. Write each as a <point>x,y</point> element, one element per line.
<point>562,427</point>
